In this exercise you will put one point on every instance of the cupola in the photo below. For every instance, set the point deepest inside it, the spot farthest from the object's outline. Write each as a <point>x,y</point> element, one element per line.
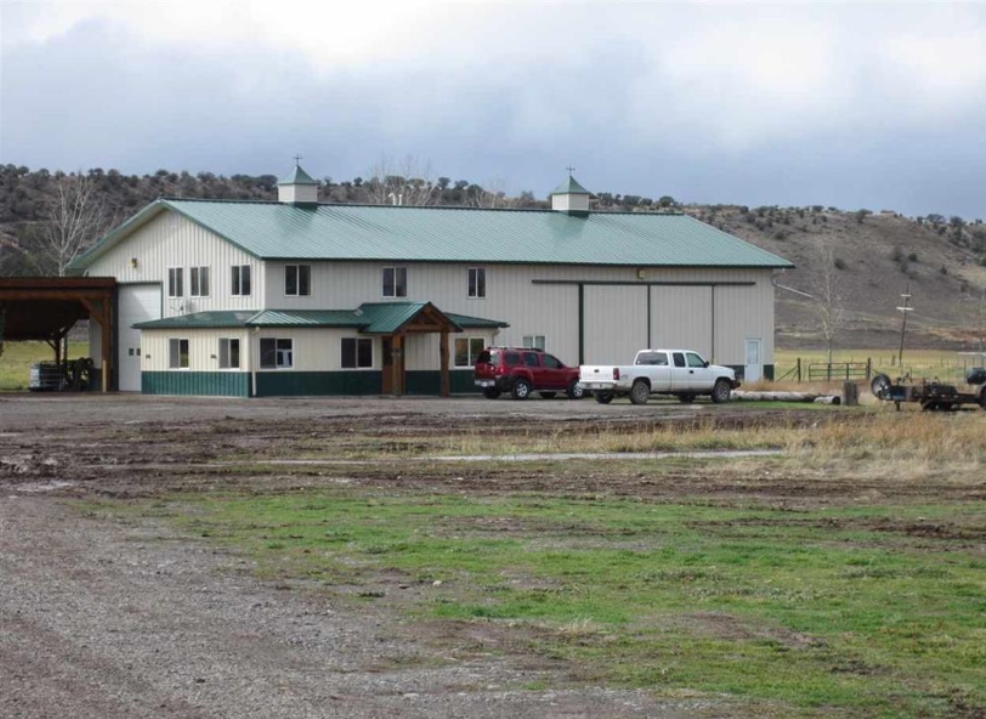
<point>570,197</point>
<point>298,189</point>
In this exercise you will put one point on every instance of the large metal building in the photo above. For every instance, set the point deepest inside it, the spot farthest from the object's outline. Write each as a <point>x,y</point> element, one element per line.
<point>297,297</point>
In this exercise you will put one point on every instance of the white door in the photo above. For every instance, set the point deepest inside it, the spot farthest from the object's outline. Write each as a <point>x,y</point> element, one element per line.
<point>137,303</point>
<point>754,361</point>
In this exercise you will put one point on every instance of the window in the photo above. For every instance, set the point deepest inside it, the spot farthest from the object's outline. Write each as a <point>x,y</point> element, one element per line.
<point>551,362</point>
<point>679,359</point>
<point>276,353</point>
<point>357,352</point>
<point>198,282</point>
<point>176,276</point>
<point>395,282</point>
<point>229,353</point>
<point>511,359</point>
<point>178,354</point>
<point>298,280</point>
<point>468,350</point>
<point>240,284</point>
<point>477,282</point>
<point>659,359</point>
<point>694,360</point>
<point>530,359</point>
<point>534,342</point>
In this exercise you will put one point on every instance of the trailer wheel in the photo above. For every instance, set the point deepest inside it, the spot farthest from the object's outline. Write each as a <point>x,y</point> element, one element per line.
<point>880,386</point>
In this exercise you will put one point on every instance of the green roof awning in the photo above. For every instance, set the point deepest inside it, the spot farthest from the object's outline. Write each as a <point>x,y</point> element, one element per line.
<point>371,318</point>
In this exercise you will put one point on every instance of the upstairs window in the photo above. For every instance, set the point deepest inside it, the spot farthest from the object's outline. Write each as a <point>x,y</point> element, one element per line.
<point>176,282</point>
<point>477,282</point>
<point>240,281</point>
<point>198,282</point>
<point>298,280</point>
<point>395,282</point>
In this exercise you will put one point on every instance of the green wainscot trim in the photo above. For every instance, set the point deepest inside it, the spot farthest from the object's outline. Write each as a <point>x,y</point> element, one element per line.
<point>346,382</point>
<point>429,382</point>
<point>217,384</point>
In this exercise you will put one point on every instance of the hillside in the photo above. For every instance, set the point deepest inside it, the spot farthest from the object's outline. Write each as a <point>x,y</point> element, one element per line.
<point>868,259</point>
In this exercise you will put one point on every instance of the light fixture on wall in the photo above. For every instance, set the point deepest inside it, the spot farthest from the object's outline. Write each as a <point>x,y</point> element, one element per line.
<point>133,262</point>
<point>641,273</point>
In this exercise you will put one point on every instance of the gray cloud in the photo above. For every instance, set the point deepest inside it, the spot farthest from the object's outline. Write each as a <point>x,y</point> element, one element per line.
<point>850,106</point>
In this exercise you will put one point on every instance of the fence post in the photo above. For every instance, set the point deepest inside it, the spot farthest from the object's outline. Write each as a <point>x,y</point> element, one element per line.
<point>869,368</point>
<point>799,370</point>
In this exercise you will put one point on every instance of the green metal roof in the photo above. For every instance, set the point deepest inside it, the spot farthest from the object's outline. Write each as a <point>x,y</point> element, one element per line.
<point>297,176</point>
<point>270,230</point>
<point>370,318</point>
<point>199,320</point>
<point>570,187</point>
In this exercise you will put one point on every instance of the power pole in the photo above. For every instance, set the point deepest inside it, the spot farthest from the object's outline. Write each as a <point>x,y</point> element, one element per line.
<point>903,325</point>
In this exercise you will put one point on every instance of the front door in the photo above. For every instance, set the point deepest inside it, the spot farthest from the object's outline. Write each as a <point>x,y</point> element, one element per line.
<point>754,361</point>
<point>393,377</point>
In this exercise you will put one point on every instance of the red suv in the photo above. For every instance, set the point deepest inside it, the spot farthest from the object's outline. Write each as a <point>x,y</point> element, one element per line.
<point>522,371</point>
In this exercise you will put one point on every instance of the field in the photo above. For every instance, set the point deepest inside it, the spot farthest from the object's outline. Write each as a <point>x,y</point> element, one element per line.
<point>17,358</point>
<point>825,563</point>
<point>947,366</point>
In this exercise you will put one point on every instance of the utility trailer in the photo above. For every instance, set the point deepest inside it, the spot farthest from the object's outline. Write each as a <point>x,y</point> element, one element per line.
<point>931,394</point>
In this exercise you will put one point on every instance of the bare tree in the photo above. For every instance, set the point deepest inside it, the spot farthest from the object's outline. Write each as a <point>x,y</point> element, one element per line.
<point>406,183</point>
<point>73,219</point>
<point>828,299</point>
<point>490,195</point>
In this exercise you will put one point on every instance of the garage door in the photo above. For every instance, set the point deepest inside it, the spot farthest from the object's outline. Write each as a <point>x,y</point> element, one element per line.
<point>137,303</point>
<point>682,317</point>
<point>615,324</point>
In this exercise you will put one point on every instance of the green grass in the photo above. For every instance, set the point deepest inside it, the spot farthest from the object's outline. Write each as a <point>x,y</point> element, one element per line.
<point>837,612</point>
<point>944,364</point>
<point>17,358</point>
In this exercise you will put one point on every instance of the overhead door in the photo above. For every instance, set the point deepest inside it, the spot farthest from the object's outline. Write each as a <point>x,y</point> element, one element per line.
<point>615,323</point>
<point>681,317</point>
<point>137,303</point>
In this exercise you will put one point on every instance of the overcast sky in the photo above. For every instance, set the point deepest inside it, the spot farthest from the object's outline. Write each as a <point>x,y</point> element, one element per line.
<point>877,105</point>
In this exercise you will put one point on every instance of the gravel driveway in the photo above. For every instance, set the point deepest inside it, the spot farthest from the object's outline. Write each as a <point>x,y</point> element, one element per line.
<point>110,618</point>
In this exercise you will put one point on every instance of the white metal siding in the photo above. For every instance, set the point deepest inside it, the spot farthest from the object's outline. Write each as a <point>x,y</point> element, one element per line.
<point>170,240</point>
<point>682,317</point>
<point>615,323</point>
<point>135,303</point>
<point>203,349</point>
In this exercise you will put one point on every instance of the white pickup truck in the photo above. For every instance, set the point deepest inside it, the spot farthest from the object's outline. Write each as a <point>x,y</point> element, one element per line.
<point>682,373</point>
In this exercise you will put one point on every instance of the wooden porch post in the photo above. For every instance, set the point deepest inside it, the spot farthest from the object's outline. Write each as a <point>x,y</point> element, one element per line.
<point>443,351</point>
<point>398,365</point>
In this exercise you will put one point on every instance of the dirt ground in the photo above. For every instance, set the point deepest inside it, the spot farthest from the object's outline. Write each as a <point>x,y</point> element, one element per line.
<point>122,618</point>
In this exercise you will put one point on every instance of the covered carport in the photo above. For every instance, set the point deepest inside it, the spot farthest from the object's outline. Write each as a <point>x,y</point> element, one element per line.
<point>46,309</point>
